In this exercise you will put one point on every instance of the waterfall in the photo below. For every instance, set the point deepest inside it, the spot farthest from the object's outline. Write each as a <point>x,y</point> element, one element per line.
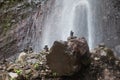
<point>67,15</point>
<point>83,21</point>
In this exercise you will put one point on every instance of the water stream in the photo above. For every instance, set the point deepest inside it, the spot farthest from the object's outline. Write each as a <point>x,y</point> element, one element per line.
<point>67,15</point>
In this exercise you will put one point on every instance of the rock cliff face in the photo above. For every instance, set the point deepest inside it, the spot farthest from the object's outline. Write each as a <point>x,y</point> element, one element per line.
<point>107,14</point>
<point>17,24</point>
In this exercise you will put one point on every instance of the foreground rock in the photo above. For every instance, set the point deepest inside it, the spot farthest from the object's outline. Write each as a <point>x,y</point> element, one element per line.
<point>65,61</point>
<point>67,58</point>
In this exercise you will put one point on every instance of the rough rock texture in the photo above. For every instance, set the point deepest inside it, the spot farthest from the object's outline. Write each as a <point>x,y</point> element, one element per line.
<point>66,58</point>
<point>102,67</point>
<point>17,28</point>
<point>106,22</point>
<point>12,12</point>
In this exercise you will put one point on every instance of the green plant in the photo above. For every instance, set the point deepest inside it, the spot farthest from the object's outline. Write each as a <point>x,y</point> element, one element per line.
<point>18,71</point>
<point>36,66</point>
<point>54,74</point>
<point>12,79</point>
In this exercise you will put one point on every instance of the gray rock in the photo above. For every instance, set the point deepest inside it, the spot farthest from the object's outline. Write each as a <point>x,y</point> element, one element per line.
<point>36,76</point>
<point>11,67</point>
<point>27,71</point>
<point>27,67</point>
<point>3,76</point>
<point>102,45</point>
<point>13,75</point>
<point>117,49</point>
<point>1,1</point>
<point>33,61</point>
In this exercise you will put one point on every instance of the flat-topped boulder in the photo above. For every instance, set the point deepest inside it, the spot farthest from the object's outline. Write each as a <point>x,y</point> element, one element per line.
<point>67,57</point>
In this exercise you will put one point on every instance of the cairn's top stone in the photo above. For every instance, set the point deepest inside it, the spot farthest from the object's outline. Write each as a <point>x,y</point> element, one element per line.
<point>71,36</point>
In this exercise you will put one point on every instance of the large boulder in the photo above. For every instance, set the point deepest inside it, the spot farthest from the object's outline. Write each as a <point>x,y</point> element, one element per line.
<point>68,57</point>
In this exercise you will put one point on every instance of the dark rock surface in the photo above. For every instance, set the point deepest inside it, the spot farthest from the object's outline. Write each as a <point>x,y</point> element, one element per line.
<point>66,58</point>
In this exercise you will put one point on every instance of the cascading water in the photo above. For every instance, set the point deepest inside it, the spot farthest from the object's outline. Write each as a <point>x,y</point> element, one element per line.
<point>83,21</point>
<point>67,15</point>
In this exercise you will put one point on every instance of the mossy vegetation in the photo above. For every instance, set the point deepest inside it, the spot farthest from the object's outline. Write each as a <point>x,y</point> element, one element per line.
<point>6,17</point>
<point>13,11</point>
<point>7,22</point>
<point>18,71</point>
<point>9,3</point>
<point>9,16</point>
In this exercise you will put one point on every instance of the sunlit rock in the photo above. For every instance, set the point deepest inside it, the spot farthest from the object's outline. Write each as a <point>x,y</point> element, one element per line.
<point>21,57</point>
<point>13,75</point>
<point>96,58</point>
